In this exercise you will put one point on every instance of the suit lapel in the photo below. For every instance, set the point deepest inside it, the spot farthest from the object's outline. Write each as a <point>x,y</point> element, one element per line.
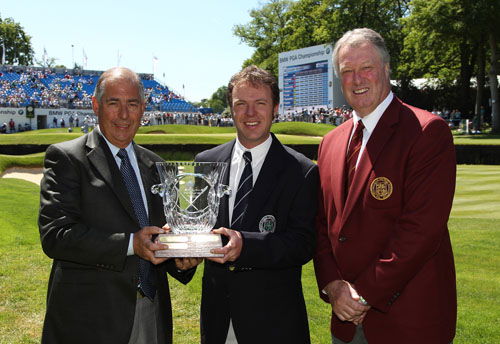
<point>101,158</point>
<point>225,156</point>
<point>265,184</point>
<point>379,138</point>
<point>147,169</point>
<point>338,166</point>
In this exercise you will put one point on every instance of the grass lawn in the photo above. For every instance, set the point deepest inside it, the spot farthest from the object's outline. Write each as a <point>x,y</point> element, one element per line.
<point>474,227</point>
<point>288,133</point>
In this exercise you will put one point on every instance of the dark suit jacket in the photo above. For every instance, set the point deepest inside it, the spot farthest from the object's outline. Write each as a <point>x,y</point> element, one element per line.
<point>394,247</point>
<point>85,222</point>
<point>263,294</point>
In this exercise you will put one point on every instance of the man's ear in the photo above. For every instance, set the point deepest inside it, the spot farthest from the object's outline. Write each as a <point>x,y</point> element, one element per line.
<point>95,105</point>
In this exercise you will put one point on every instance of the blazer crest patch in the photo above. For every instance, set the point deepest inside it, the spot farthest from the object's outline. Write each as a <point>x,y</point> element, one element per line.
<point>267,224</point>
<point>381,188</point>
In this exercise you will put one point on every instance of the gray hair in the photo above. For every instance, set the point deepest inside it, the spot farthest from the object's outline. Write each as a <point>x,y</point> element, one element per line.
<point>357,37</point>
<point>116,73</point>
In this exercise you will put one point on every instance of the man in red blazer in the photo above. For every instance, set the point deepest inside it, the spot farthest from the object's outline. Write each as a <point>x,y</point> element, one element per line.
<point>384,259</point>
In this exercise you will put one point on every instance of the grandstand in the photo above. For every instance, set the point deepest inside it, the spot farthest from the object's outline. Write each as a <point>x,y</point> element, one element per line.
<point>53,92</point>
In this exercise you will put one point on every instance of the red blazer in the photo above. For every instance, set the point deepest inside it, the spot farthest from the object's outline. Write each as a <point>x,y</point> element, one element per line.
<point>390,237</point>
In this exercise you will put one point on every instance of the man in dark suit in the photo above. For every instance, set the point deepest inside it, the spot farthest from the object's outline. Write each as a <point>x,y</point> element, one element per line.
<point>97,220</point>
<point>384,259</point>
<point>255,289</point>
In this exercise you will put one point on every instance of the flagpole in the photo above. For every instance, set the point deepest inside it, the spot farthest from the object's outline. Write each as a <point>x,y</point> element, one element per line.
<point>3,52</point>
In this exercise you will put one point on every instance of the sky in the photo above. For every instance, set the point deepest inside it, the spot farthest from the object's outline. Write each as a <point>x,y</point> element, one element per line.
<point>192,41</point>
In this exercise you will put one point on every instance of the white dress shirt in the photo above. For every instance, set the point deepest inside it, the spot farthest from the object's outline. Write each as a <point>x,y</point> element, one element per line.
<point>370,122</point>
<point>259,154</point>
<point>135,166</point>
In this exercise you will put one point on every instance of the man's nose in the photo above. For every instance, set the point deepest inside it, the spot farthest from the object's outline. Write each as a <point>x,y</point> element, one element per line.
<point>356,77</point>
<point>250,110</point>
<point>123,111</point>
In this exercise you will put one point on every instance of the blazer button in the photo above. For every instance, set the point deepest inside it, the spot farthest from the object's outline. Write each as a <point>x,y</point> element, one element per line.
<point>342,239</point>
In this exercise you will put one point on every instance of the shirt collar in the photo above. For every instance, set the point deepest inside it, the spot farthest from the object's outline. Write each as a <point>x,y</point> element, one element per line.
<point>114,150</point>
<point>258,152</point>
<point>370,121</point>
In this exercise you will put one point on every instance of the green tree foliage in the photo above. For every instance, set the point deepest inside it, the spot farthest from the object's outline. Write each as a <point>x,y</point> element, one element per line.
<point>449,40</point>
<point>265,33</point>
<point>49,62</point>
<point>284,25</point>
<point>17,43</point>
<point>218,101</point>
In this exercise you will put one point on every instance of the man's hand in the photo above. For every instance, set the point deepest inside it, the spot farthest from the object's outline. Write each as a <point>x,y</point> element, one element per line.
<point>345,302</point>
<point>187,263</point>
<point>145,248</point>
<point>233,248</point>
<point>183,263</point>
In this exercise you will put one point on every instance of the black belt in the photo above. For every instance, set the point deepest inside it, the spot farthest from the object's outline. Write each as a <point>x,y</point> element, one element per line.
<point>229,267</point>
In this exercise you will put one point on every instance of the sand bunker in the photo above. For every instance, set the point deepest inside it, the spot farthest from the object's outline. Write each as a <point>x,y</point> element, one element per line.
<point>33,175</point>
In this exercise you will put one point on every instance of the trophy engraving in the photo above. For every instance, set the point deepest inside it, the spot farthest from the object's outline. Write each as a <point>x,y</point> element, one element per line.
<point>191,193</point>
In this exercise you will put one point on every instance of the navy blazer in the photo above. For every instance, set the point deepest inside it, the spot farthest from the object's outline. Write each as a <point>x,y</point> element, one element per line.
<point>261,292</point>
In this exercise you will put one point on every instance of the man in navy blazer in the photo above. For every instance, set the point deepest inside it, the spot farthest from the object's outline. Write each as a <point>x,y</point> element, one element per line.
<point>255,290</point>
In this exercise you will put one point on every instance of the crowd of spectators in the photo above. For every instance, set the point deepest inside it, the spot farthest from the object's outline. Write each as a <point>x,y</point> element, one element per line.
<point>193,118</point>
<point>56,88</point>
<point>43,87</point>
<point>10,127</point>
<point>335,116</point>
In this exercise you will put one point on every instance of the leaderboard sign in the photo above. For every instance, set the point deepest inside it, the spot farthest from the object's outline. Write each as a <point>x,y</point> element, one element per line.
<point>306,80</point>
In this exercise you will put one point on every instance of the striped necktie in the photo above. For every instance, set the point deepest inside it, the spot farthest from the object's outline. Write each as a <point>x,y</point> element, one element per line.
<point>353,153</point>
<point>134,191</point>
<point>244,189</point>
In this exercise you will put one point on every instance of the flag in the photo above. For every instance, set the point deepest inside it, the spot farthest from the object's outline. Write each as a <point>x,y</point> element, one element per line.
<point>84,59</point>
<point>155,63</point>
<point>44,57</point>
<point>3,53</point>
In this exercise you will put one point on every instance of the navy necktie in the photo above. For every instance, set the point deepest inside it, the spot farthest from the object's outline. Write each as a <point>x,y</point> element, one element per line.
<point>134,191</point>
<point>244,189</point>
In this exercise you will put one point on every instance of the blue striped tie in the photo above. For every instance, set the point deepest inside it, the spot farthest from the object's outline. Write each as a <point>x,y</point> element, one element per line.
<point>244,189</point>
<point>134,192</point>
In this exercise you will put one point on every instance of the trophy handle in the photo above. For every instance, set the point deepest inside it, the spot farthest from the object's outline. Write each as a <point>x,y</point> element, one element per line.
<point>158,189</point>
<point>223,190</point>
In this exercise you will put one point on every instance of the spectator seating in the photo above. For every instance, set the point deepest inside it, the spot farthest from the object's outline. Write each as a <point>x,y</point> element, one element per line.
<point>56,88</point>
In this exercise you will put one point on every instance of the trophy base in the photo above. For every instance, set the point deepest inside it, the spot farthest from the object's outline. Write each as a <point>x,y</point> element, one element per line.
<point>189,245</point>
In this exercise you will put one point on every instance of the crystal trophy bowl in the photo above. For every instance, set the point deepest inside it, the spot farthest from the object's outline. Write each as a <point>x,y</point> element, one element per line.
<point>191,193</point>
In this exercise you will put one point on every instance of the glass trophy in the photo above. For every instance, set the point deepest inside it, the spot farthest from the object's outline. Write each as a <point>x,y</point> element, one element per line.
<point>191,193</point>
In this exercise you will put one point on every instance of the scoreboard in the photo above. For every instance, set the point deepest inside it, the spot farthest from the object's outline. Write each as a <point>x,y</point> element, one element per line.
<point>305,85</point>
<point>306,80</point>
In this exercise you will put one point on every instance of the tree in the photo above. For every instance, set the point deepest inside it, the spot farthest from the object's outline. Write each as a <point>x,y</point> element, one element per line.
<point>495,113</point>
<point>201,104</point>
<point>284,25</point>
<point>16,42</point>
<point>218,101</point>
<point>265,33</point>
<point>449,40</point>
<point>49,62</point>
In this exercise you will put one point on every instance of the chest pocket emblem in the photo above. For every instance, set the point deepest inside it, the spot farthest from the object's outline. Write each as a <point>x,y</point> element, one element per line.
<point>381,188</point>
<point>267,224</point>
